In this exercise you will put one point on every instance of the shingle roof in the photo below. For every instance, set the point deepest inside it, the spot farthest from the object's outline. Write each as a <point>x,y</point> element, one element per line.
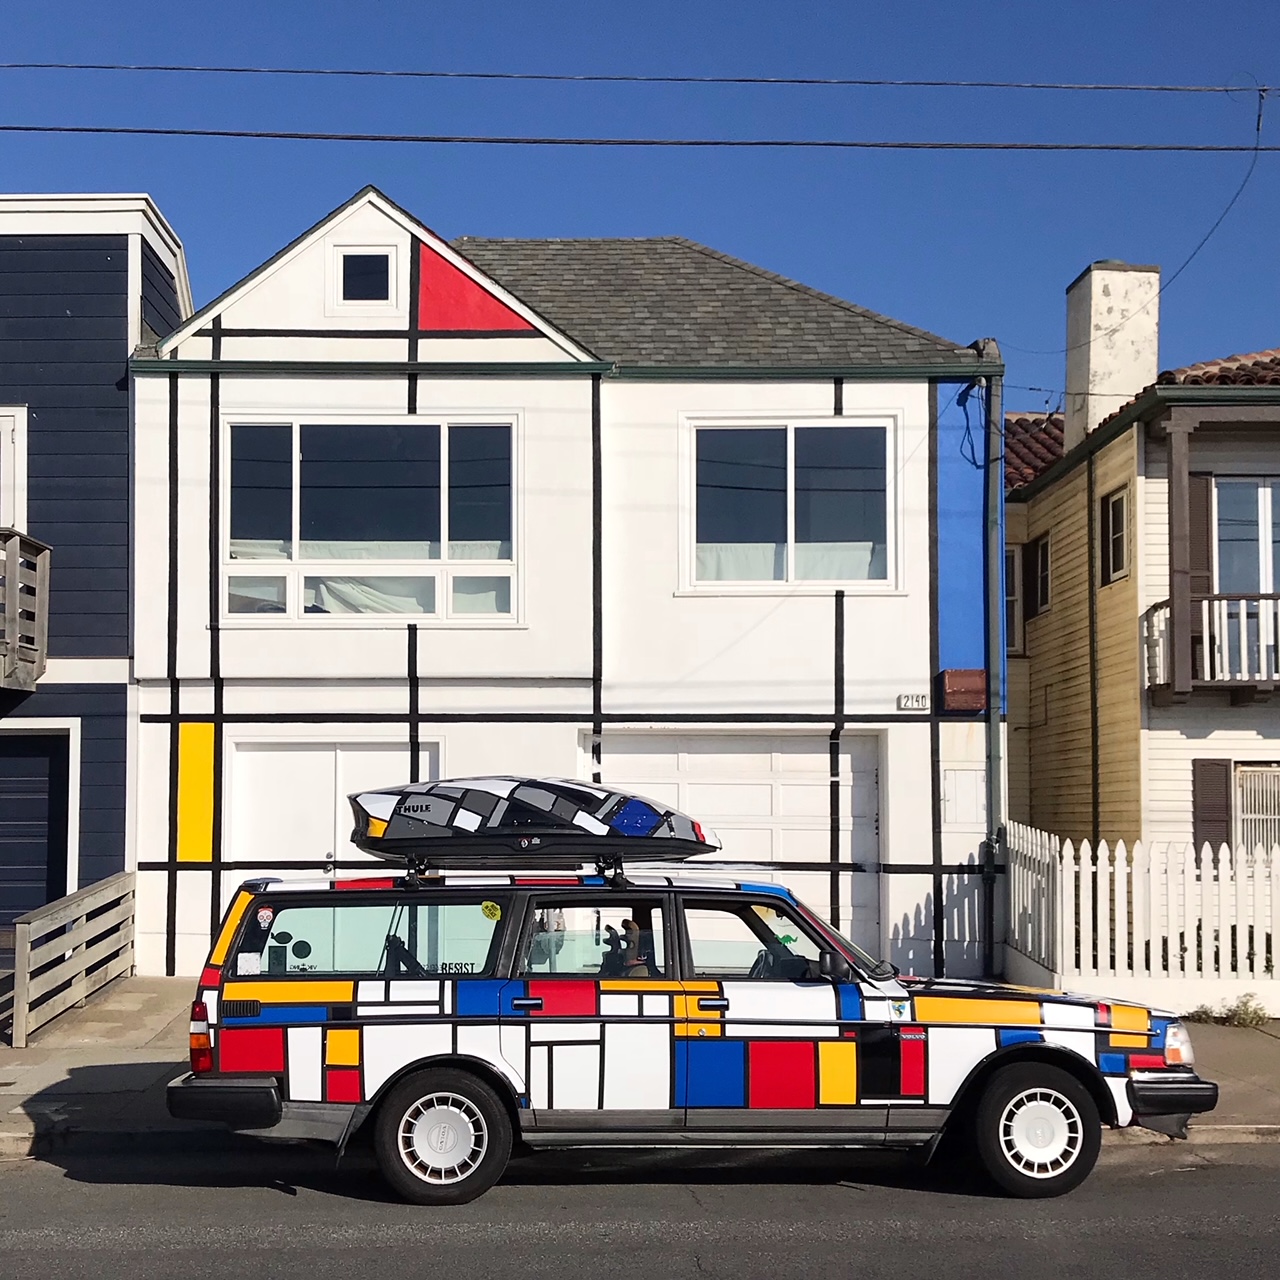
<point>1032,444</point>
<point>671,302</point>
<point>1256,369</point>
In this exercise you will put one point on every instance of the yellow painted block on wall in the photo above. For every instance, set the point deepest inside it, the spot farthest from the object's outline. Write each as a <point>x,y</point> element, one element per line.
<point>342,1048</point>
<point>1125,1017</point>
<point>838,1072</point>
<point>978,1012</point>
<point>195,793</point>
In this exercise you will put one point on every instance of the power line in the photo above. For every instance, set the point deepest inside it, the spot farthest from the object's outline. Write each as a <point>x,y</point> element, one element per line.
<point>1189,259</point>
<point>819,144</point>
<point>559,78</point>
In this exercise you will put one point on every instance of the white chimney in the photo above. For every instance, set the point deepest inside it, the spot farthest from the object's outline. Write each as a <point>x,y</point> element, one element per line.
<point>1113,342</point>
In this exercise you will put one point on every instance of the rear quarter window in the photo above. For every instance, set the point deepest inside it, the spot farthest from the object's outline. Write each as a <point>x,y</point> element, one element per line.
<point>389,938</point>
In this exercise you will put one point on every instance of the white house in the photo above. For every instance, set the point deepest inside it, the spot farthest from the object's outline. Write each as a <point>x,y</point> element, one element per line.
<point>629,509</point>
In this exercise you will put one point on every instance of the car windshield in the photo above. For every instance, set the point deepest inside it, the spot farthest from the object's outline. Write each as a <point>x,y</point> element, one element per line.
<point>872,967</point>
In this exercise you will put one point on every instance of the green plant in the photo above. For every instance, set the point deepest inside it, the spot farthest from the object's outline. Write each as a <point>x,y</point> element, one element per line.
<point>1247,1011</point>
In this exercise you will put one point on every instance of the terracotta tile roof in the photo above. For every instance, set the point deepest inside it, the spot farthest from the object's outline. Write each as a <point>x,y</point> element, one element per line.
<point>1257,369</point>
<point>1032,444</point>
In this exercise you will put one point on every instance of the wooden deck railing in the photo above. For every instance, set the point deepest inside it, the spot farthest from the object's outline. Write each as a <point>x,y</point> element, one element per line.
<point>65,951</point>
<point>24,609</point>
<point>1235,639</point>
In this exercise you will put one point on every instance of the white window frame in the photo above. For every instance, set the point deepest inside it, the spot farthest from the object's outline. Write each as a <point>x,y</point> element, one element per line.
<point>1013,641</point>
<point>443,570</point>
<point>1266,514</point>
<point>1259,769</point>
<point>1108,573</point>
<point>337,305</point>
<point>13,467</point>
<point>891,423</point>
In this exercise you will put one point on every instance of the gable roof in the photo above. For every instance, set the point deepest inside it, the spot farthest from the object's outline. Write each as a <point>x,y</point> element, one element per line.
<point>670,302</point>
<point>1032,444</point>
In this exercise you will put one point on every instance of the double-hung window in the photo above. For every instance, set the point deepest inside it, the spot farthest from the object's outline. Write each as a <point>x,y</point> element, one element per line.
<point>1113,536</point>
<point>792,503</point>
<point>342,519</point>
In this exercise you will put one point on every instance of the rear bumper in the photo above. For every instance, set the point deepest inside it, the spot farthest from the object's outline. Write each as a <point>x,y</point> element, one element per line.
<point>1165,1102</point>
<point>238,1102</point>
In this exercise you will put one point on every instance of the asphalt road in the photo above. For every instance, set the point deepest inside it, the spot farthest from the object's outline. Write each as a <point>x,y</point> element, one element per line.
<point>285,1212</point>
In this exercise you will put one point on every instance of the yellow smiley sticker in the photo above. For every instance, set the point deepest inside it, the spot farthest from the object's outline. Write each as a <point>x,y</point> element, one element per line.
<point>491,910</point>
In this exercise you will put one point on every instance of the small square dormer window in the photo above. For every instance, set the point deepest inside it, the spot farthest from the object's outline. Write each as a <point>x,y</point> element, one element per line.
<point>366,277</point>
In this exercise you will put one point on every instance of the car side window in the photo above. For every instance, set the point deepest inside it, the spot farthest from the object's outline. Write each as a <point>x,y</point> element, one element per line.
<point>613,938</point>
<point>758,939</point>
<point>389,939</point>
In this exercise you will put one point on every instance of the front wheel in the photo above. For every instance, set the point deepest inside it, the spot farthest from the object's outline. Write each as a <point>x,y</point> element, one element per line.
<point>1037,1130</point>
<point>442,1137</point>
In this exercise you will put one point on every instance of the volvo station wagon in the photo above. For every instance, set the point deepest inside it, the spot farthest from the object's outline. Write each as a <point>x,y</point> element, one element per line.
<point>542,972</point>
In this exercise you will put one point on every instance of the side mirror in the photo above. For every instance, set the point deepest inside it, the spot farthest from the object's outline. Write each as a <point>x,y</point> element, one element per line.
<point>834,966</point>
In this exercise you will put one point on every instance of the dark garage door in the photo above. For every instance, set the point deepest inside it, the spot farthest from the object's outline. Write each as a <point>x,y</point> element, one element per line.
<point>33,824</point>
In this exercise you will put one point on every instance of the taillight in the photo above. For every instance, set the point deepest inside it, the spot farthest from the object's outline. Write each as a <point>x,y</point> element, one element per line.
<point>201,1046</point>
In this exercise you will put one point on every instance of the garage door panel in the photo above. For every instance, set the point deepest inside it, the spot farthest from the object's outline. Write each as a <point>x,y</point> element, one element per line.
<point>799,844</point>
<point>269,823</point>
<point>804,799</point>
<point>745,799</point>
<point>635,761</point>
<point>720,758</point>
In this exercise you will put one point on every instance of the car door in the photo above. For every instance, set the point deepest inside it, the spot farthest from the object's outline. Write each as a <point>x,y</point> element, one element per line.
<point>592,1004</point>
<point>763,1041</point>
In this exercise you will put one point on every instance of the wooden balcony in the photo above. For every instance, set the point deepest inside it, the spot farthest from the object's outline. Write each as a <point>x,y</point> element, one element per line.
<point>1233,641</point>
<point>24,609</point>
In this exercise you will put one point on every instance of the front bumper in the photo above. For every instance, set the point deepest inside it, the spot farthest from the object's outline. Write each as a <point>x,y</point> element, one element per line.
<point>241,1102</point>
<point>1165,1101</point>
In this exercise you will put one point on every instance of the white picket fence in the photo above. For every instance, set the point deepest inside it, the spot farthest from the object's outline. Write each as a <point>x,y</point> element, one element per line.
<point>1165,924</point>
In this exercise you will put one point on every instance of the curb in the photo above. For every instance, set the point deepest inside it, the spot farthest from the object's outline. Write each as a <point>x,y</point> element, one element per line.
<point>49,1143</point>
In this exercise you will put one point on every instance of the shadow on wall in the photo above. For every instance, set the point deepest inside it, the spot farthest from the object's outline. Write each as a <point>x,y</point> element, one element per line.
<point>911,939</point>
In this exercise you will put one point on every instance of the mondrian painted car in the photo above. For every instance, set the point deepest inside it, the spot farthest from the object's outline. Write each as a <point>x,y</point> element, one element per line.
<point>518,998</point>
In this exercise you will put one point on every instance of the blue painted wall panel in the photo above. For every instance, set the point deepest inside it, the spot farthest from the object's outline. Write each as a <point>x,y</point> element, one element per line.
<point>961,556</point>
<point>64,354</point>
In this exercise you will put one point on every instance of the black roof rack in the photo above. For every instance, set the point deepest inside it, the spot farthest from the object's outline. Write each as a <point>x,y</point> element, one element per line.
<point>504,822</point>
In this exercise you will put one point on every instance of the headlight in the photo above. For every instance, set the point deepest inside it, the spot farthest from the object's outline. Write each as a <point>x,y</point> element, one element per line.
<point>1177,1046</point>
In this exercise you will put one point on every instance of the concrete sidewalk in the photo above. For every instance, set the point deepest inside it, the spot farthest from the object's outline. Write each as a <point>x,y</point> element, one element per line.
<point>95,1079</point>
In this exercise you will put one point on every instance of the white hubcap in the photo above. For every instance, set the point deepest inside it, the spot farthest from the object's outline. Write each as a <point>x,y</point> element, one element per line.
<point>442,1138</point>
<point>1041,1133</point>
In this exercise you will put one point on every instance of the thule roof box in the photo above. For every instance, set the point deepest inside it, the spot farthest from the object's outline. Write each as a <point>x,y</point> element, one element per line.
<point>500,823</point>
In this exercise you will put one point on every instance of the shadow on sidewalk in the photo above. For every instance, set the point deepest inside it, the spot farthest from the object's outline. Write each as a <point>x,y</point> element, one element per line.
<point>108,1124</point>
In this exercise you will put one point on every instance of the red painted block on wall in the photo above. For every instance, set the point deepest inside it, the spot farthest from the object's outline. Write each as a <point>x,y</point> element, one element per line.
<point>251,1049</point>
<point>781,1073</point>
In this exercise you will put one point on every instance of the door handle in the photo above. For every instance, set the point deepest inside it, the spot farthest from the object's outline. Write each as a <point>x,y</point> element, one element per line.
<point>712,1002</point>
<point>526,1002</point>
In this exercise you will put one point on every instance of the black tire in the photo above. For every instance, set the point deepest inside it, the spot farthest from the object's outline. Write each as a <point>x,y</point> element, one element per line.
<point>442,1136</point>
<point>1037,1131</point>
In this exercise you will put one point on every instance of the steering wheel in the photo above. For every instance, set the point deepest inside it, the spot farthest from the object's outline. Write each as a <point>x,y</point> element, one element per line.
<point>762,967</point>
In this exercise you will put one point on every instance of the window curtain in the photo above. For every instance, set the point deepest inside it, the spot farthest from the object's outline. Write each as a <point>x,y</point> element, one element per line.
<point>741,561</point>
<point>369,595</point>
<point>840,561</point>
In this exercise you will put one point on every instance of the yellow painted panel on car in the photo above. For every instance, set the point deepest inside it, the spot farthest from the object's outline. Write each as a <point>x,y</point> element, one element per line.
<point>290,992</point>
<point>195,793</point>
<point>985,1012</point>
<point>1127,1017</point>
<point>342,1047</point>
<point>1129,1042</point>
<point>234,916</point>
<point>838,1072</point>
<point>642,985</point>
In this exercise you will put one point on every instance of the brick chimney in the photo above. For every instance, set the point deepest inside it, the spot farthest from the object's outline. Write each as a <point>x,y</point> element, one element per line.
<point>1113,348</point>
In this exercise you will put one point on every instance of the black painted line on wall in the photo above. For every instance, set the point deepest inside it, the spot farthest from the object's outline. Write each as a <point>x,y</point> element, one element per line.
<point>838,393</point>
<point>833,753</point>
<point>856,868</point>
<point>415,280</point>
<point>215,634</point>
<point>415,743</point>
<point>935,733</point>
<point>216,334</point>
<point>529,717</point>
<point>171,672</point>
<point>597,582</point>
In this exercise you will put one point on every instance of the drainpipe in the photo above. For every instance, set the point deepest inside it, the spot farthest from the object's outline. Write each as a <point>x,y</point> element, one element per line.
<point>993,519</point>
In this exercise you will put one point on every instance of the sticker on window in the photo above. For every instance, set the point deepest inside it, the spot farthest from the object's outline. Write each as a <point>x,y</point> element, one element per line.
<point>491,910</point>
<point>248,964</point>
<point>265,917</point>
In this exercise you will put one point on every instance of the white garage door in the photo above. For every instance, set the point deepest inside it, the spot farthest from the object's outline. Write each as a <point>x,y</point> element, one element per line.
<point>287,801</point>
<point>768,798</point>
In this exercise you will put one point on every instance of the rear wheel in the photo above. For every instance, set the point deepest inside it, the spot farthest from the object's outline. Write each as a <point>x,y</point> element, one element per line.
<point>442,1137</point>
<point>1037,1130</point>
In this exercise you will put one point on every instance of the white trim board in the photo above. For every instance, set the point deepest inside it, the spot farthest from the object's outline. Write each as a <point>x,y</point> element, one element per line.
<point>13,467</point>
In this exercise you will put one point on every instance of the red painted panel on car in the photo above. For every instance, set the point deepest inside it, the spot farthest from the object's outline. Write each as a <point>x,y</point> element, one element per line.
<point>569,999</point>
<point>781,1073</point>
<point>251,1049</point>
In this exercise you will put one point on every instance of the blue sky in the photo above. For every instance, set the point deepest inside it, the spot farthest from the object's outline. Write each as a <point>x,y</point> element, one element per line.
<point>968,245</point>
